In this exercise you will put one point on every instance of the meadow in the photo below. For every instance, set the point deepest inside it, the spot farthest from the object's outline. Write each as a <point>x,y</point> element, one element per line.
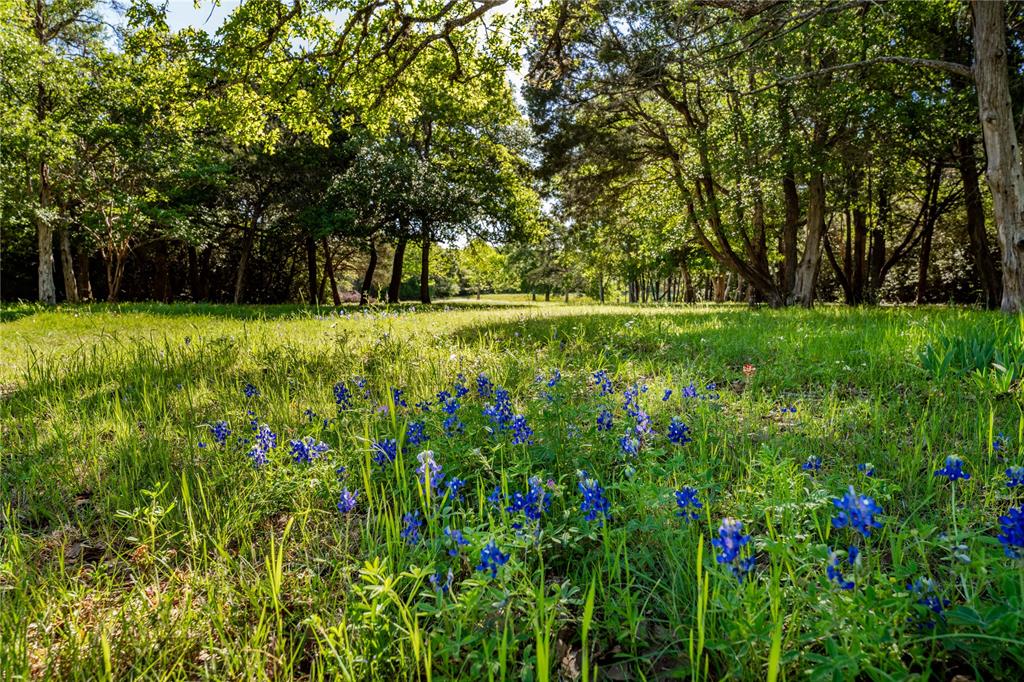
<point>510,491</point>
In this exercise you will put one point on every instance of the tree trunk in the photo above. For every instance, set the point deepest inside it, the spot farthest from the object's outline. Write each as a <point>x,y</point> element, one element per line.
<point>977,235</point>
<point>67,263</point>
<point>720,287</point>
<point>364,291</point>
<point>600,287</point>
<point>810,262</point>
<point>311,271</point>
<point>44,236</point>
<point>162,280</point>
<point>1003,172</point>
<point>860,243</point>
<point>924,261</point>
<point>689,295</point>
<point>84,283</point>
<point>243,262</point>
<point>329,267</point>
<point>395,286</point>
<point>204,273</point>
<point>876,252</point>
<point>425,268</point>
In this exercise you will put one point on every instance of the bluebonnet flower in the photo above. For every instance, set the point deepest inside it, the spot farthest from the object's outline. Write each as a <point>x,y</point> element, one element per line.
<point>342,396</point>
<point>306,450</point>
<point>604,382</point>
<point>856,511</point>
<point>813,463</point>
<point>572,431</point>
<point>604,421</point>
<point>953,469</point>
<point>457,539</point>
<point>309,414</point>
<point>521,431</point>
<point>500,411</point>
<point>678,432</point>
<point>1015,476</point>
<point>443,398</point>
<point>688,503</point>
<point>265,440</point>
<point>928,596</point>
<point>361,384</point>
<point>690,391</point>
<point>491,559</point>
<point>495,498</point>
<point>731,540</point>
<point>454,488</point>
<point>347,500</point>
<point>254,422</point>
<point>411,531</point>
<point>533,503</point>
<point>396,397</point>
<point>1012,532</point>
<point>484,387</point>
<point>784,409</point>
<point>430,470</point>
<point>629,445</point>
<point>341,472</point>
<point>460,386</point>
<point>384,451</point>
<point>668,394</point>
<point>713,395</point>
<point>424,405</point>
<point>595,504</point>
<point>453,425</point>
<point>835,567</point>
<point>415,433</point>
<point>867,468</point>
<point>439,585</point>
<point>631,400</point>
<point>1000,443</point>
<point>250,391</point>
<point>556,376</point>
<point>220,432</point>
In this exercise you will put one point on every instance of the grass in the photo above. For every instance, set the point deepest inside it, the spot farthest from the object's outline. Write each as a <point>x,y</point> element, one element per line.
<point>126,550</point>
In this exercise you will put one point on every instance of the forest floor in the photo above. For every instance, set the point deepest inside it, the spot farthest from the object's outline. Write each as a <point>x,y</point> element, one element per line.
<point>241,493</point>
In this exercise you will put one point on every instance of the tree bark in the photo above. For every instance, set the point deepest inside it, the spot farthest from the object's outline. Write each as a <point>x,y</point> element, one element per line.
<point>395,285</point>
<point>1003,172</point>
<point>977,235</point>
<point>44,237</point>
<point>924,261</point>
<point>329,267</point>
<point>67,262</point>
<point>425,268</point>
<point>364,291</point>
<point>810,261</point>
<point>311,271</point>
<point>84,283</point>
<point>243,262</point>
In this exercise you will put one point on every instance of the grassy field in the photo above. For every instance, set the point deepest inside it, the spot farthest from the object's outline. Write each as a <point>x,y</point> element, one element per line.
<point>149,529</point>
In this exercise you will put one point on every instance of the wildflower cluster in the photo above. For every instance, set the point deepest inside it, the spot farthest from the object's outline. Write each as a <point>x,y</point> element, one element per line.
<point>491,559</point>
<point>264,441</point>
<point>678,432</point>
<point>384,451</point>
<point>688,503</point>
<point>953,469</point>
<point>1011,532</point>
<point>835,567</point>
<point>532,503</point>
<point>857,512</point>
<point>308,449</point>
<point>731,540</point>
<point>594,505</point>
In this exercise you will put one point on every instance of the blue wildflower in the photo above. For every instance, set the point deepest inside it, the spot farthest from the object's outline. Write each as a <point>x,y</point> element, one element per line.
<point>491,559</point>
<point>690,391</point>
<point>460,386</point>
<point>250,391</point>
<point>867,468</point>
<point>429,470</point>
<point>1015,476</point>
<point>415,433</point>
<point>342,396</point>
<point>629,445</point>
<point>595,504</point>
<point>1012,532</point>
<point>411,530</point>
<point>928,597</point>
<point>347,500</point>
<point>457,539</point>
<point>521,431</point>
<point>731,540</point>
<point>668,394</point>
<point>813,463</point>
<point>835,567</point>
<point>384,451</point>
<point>678,432</point>
<point>1000,443</point>
<point>604,382</point>
<point>604,421</point>
<point>441,586</point>
<point>361,384</point>
<point>308,449</point>
<point>500,411</point>
<point>424,405</point>
<point>484,387</point>
<point>265,440</point>
<point>533,503</point>
<point>856,511</point>
<point>953,469</point>
<point>688,503</point>
<point>556,376</point>
<point>396,397</point>
<point>454,488</point>
<point>220,432</point>
<point>453,425</point>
